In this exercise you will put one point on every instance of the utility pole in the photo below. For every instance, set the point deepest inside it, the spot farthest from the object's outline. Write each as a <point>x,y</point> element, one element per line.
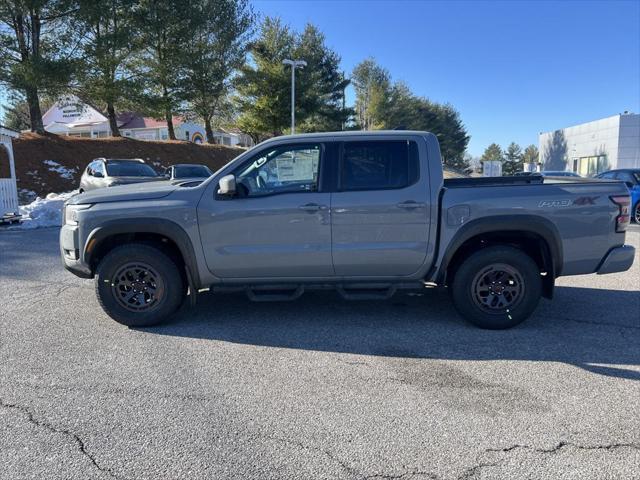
<point>344,100</point>
<point>294,64</point>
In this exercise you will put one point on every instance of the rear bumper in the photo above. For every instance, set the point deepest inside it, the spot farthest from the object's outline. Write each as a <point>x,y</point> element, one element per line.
<point>619,259</point>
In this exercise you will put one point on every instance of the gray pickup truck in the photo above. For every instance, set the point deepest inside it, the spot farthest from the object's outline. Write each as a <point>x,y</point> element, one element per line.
<point>365,213</point>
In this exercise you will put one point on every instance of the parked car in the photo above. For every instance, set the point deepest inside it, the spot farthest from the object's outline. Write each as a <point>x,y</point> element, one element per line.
<point>631,177</point>
<point>367,213</point>
<point>110,172</point>
<point>558,173</point>
<point>187,172</point>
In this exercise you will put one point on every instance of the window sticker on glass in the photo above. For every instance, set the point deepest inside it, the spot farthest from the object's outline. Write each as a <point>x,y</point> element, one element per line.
<point>294,169</point>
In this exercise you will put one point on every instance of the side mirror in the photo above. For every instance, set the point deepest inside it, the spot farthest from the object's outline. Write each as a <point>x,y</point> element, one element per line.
<point>227,185</point>
<point>98,174</point>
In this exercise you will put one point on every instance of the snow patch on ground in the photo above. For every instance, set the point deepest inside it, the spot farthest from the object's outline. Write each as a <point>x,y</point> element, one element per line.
<point>44,212</point>
<point>64,172</point>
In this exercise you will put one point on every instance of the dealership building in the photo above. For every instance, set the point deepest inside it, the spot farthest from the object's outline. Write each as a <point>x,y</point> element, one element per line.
<point>593,147</point>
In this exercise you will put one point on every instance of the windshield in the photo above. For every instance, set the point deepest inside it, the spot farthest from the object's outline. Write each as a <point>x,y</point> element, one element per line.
<point>637,176</point>
<point>190,171</point>
<point>123,168</point>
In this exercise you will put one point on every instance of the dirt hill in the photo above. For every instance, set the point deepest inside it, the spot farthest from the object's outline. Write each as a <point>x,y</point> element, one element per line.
<point>53,163</point>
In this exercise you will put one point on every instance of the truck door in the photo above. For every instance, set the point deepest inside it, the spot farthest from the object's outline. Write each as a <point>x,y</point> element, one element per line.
<point>279,223</point>
<point>380,211</point>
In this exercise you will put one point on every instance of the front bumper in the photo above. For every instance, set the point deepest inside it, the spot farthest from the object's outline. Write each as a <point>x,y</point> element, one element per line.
<point>71,252</point>
<point>619,259</point>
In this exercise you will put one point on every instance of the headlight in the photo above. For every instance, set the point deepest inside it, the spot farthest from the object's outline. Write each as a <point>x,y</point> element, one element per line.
<point>71,213</point>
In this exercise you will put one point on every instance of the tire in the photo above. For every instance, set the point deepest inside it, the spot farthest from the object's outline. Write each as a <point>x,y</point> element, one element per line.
<point>497,287</point>
<point>636,213</point>
<point>146,270</point>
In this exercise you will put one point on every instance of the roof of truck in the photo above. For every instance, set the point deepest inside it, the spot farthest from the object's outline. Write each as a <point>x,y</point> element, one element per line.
<point>350,133</point>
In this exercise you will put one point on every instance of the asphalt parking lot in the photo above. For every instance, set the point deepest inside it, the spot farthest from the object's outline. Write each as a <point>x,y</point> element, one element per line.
<point>317,388</point>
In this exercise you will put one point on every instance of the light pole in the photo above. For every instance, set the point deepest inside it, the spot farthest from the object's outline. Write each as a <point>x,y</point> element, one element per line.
<point>294,64</point>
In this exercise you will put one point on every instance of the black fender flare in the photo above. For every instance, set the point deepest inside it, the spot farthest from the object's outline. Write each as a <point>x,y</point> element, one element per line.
<point>507,223</point>
<point>166,228</point>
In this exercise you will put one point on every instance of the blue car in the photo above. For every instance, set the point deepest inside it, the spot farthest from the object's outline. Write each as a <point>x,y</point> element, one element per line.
<point>630,176</point>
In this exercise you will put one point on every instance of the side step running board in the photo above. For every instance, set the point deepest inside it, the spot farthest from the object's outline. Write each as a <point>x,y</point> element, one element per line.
<point>367,293</point>
<point>274,294</point>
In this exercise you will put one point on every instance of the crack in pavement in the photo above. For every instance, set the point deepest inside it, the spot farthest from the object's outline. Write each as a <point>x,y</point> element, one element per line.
<point>413,473</point>
<point>327,453</point>
<point>472,471</point>
<point>560,445</point>
<point>603,324</point>
<point>63,431</point>
<point>349,469</point>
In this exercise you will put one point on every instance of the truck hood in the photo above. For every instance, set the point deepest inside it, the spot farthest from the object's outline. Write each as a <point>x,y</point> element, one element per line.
<point>134,191</point>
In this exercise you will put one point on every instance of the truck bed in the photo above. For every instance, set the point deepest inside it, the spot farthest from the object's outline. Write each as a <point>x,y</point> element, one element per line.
<point>578,212</point>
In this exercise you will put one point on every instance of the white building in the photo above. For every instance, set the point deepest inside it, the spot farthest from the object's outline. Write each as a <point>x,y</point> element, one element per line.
<point>69,116</point>
<point>8,186</point>
<point>593,147</point>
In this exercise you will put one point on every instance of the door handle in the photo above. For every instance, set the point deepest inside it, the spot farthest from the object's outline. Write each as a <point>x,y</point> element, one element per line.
<point>311,207</point>
<point>410,205</point>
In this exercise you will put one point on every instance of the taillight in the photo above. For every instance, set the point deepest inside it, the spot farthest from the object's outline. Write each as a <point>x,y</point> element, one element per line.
<point>624,211</point>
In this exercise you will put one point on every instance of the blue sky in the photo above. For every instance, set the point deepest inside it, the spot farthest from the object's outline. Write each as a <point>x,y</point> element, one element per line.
<point>512,69</point>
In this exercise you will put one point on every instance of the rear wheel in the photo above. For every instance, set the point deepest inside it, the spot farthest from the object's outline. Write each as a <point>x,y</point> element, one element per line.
<point>636,214</point>
<point>497,287</point>
<point>139,285</point>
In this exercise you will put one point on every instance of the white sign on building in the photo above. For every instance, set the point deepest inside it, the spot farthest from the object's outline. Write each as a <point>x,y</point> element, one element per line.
<point>492,169</point>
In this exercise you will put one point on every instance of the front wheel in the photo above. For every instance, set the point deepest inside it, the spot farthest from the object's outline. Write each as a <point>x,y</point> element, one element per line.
<point>139,285</point>
<point>636,214</point>
<point>497,287</point>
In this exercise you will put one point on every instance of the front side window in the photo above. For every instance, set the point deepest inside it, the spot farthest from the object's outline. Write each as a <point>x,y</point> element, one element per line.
<point>379,165</point>
<point>282,169</point>
<point>91,168</point>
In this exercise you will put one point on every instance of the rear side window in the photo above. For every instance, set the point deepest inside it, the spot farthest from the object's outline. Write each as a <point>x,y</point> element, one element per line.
<point>628,177</point>
<point>378,165</point>
<point>608,175</point>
